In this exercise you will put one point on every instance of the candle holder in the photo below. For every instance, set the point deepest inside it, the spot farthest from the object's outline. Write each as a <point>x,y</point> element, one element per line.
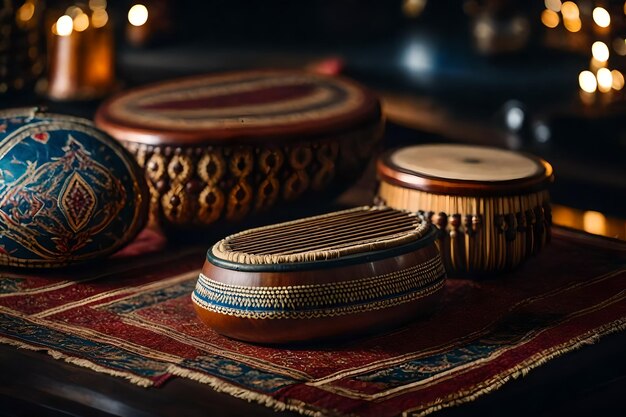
<point>81,63</point>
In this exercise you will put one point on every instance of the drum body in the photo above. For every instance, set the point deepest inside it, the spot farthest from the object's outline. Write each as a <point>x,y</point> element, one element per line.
<point>491,206</point>
<point>69,193</point>
<point>323,277</point>
<point>221,147</point>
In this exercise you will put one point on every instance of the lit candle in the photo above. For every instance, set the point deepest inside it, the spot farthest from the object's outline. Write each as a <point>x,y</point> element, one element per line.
<point>588,85</point>
<point>64,64</point>
<point>81,54</point>
<point>601,17</point>
<point>600,51</point>
<point>138,28</point>
<point>99,58</point>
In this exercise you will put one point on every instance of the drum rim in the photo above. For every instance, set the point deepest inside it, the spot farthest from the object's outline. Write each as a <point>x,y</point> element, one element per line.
<point>426,240</point>
<point>368,114</point>
<point>393,174</point>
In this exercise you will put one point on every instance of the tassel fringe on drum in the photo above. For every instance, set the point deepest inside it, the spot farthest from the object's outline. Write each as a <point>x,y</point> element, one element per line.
<point>480,234</point>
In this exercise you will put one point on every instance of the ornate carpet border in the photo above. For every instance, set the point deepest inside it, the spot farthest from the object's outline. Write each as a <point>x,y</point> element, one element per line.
<point>135,379</point>
<point>520,370</point>
<point>467,395</point>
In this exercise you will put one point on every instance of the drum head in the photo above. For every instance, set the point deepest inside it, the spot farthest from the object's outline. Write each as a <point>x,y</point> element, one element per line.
<point>465,163</point>
<point>463,168</point>
<point>254,105</point>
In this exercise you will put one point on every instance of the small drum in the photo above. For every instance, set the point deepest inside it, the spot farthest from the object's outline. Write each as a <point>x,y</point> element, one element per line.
<point>491,205</point>
<point>339,274</point>
<point>69,193</point>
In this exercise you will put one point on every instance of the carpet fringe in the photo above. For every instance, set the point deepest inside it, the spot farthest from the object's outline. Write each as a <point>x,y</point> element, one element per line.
<point>219,385</point>
<point>522,369</point>
<point>137,380</point>
<point>222,386</point>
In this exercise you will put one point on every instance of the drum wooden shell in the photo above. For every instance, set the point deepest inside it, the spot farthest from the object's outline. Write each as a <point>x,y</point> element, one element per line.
<point>323,277</point>
<point>491,206</point>
<point>220,147</point>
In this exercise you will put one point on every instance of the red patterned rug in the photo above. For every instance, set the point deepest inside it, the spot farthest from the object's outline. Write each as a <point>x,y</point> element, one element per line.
<point>134,319</point>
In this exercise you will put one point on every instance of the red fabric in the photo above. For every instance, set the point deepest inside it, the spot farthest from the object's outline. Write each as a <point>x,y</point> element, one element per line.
<point>268,95</point>
<point>134,316</point>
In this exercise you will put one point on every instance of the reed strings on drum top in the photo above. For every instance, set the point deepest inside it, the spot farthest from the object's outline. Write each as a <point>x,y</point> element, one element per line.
<point>480,233</point>
<point>325,236</point>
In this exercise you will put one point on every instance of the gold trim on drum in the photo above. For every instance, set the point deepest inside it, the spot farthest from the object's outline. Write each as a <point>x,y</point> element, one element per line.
<point>198,185</point>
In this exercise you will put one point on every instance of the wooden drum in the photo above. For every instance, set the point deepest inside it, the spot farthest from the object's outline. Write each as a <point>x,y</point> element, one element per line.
<point>223,146</point>
<point>329,276</point>
<point>491,205</point>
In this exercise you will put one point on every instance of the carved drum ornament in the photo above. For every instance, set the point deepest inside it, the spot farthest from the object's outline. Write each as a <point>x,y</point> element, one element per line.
<point>225,146</point>
<point>68,192</point>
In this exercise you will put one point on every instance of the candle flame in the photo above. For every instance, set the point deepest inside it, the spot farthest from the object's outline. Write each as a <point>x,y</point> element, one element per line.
<point>587,81</point>
<point>550,18</point>
<point>81,22</point>
<point>554,5</point>
<point>570,11</point>
<point>99,18</point>
<point>600,51</point>
<point>618,80</point>
<point>138,15</point>
<point>64,26</point>
<point>601,17</point>
<point>605,80</point>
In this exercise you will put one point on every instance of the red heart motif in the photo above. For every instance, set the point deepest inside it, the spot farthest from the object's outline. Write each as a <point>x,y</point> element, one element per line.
<point>41,137</point>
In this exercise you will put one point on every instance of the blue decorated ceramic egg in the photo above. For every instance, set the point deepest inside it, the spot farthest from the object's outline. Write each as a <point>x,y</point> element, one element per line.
<point>68,192</point>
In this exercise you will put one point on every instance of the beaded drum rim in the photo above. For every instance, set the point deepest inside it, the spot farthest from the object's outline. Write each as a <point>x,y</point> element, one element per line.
<point>391,173</point>
<point>364,109</point>
<point>381,247</point>
<point>322,300</point>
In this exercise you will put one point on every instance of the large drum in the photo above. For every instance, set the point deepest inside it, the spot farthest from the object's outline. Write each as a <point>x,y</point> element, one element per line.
<point>344,273</point>
<point>221,147</point>
<point>490,205</point>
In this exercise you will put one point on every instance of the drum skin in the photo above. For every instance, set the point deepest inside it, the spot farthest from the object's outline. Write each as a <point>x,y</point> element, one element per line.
<point>456,170</point>
<point>69,192</point>
<point>225,146</point>
<point>359,310</point>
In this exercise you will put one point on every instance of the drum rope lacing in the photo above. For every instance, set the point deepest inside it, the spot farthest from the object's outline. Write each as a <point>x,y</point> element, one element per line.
<point>328,236</point>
